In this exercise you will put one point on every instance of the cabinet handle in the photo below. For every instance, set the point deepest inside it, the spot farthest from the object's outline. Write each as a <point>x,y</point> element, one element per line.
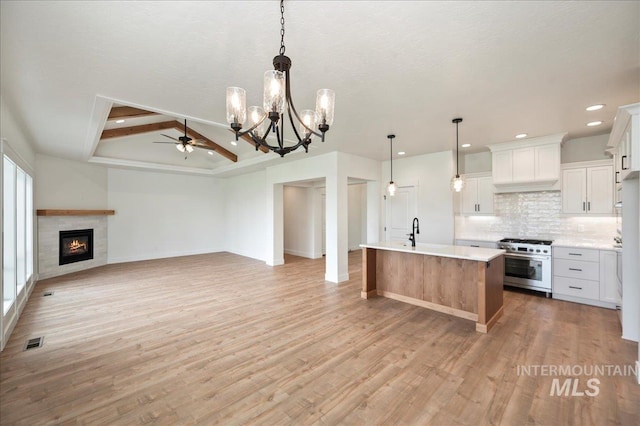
<point>471,245</point>
<point>575,254</point>
<point>617,173</point>
<point>584,206</point>
<point>622,162</point>
<point>588,206</point>
<point>478,207</point>
<point>575,269</point>
<point>577,288</point>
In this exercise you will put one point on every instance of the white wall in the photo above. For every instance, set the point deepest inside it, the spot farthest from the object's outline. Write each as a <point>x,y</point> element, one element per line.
<point>432,173</point>
<point>299,219</point>
<point>475,163</point>
<point>68,184</point>
<point>11,131</point>
<point>245,207</point>
<point>585,149</point>
<point>163,215</point>
<point>357,201</point>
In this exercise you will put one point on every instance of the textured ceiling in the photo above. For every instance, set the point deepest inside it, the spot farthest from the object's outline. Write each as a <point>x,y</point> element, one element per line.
<point>402,67</point>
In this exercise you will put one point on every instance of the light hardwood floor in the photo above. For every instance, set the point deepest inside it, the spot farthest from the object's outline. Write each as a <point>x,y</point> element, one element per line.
<point>220,338</point>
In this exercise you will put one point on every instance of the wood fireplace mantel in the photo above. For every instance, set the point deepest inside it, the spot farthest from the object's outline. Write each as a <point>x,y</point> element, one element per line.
<point>51,212</point>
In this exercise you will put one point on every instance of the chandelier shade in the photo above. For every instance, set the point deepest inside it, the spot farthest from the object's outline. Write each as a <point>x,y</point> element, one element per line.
<point>276,103</point>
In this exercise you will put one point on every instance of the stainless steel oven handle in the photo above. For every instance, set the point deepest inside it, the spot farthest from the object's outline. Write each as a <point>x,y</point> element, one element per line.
<point>527,256</point>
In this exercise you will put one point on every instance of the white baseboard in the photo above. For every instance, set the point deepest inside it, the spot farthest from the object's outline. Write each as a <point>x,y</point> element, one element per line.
<point>245,253</point>
<point>300,253</point>
<point>338,279</point>
<point>137,258</point>
<point>638,370</point>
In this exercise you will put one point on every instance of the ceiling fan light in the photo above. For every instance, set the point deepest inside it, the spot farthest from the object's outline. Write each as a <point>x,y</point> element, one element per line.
<point>189,148</point>
<point>180,147</point>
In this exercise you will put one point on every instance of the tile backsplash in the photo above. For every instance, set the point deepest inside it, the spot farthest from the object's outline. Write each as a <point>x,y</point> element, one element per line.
<point>535,215</point>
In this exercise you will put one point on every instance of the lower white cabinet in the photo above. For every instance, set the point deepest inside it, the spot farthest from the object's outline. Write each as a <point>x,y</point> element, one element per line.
<point>585,276</point>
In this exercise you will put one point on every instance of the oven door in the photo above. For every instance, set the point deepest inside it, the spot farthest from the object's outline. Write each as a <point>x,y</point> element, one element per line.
<point>528,271</point>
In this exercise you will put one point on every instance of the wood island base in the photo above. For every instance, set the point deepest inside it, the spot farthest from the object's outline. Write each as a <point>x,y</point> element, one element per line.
<point>464,288</point>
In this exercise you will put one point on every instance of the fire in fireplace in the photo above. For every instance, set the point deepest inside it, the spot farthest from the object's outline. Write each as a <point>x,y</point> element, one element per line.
<point>76,246</point>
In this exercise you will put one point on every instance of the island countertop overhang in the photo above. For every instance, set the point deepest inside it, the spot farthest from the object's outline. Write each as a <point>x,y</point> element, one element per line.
<point>479,254</point>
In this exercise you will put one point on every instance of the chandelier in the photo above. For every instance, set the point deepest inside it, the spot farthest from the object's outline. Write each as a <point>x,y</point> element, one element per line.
<point>276,102</point>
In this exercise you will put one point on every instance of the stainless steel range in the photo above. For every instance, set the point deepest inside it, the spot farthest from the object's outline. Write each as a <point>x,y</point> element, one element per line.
<point>527,263</point>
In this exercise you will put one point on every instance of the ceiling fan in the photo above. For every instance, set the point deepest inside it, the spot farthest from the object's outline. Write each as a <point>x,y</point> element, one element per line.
<point>184,143</point>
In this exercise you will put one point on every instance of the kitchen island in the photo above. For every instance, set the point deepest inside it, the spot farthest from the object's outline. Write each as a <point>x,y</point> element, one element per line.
<point>462,281</point>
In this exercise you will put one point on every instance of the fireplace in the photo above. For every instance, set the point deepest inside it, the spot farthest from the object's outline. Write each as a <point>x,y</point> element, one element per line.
<point>76,246</point>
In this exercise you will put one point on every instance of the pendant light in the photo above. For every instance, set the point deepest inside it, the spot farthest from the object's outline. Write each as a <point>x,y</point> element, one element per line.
<point>457,183</point>
<point>392,186</point>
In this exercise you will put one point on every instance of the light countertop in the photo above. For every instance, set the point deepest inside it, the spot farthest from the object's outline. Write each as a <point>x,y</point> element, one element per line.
<point>479,254</point>
<point>595,245</point>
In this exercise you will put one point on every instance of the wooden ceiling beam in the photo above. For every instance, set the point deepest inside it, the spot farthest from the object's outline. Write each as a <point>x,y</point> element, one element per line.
<point>209,143</point>
<point>135,130</point>
<point>124,112</point>
<point>248,139</point>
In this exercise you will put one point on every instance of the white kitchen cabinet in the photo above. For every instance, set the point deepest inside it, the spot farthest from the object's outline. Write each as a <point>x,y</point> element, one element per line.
<point>477,195</point>
<point>533,162</point>
<point>502,167</point>
<point>588,190</point>
<point>625,141</point>
<point>585,276</point>
<point>609,277</point>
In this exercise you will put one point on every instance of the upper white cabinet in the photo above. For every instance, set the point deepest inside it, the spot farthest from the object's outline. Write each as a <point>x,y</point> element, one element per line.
<point>531,162</point>
<point>625,141</point>
<point>477,195</point>
<point>587,188</point>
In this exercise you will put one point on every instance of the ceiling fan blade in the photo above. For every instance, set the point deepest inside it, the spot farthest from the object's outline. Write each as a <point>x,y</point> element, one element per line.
<point>170,137</point>
<point>172,143</point>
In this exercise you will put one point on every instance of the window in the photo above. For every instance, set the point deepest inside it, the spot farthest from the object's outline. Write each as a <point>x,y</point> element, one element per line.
<point>17,265</point>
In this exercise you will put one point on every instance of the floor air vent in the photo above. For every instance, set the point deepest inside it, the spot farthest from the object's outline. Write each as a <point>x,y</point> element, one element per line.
<point>33,343</point>
<point>47,293</point>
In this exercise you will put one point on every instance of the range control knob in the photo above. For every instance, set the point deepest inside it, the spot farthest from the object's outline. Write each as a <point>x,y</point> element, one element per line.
<point>530,249</point>
<point>537,250</point>
<point>544,251</point>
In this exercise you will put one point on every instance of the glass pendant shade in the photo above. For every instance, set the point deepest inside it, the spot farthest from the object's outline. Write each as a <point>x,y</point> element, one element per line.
<point>310,120</point>
<point>236,105</point>
<point>274,90</point>
<point>457,183</point>
<point>391,189</point>
<point>180,147</point>
<point>257,115</point>
<point>189,148</point>
<point>325,102</point>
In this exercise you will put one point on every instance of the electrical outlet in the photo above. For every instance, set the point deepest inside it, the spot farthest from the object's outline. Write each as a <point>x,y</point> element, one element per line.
<point>581,228</point>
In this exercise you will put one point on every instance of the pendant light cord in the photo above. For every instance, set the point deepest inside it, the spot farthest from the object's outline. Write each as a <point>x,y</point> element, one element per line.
<point>391,157</point>
<point>457,153</point>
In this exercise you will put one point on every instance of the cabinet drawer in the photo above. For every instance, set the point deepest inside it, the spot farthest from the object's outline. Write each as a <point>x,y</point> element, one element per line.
<point>587,255</point>
<point>577,288</point>
<point>474,243</point>
<point>576,269</point>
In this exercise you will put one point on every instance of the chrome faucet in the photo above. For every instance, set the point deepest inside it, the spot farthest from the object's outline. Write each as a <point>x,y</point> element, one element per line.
<point>415,229</point>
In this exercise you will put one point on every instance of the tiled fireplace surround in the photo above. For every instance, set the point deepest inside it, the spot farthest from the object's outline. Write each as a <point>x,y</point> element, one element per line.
<point>535,215</point>
<point>49,228</point>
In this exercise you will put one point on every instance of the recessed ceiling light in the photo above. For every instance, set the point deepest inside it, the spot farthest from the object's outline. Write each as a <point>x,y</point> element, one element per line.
<point>465,145</point>
<point>594,123</point>
<point>234,143</point>
<point>521,135</point>
<point>595,107</point>
<point>119,121</point>
<point>210,152</point>
<point>401,153</point>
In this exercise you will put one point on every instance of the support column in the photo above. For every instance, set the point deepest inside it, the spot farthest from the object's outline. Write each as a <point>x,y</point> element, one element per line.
<point>373,211</point>
<point>275,224</point>
<point>337,245</point>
